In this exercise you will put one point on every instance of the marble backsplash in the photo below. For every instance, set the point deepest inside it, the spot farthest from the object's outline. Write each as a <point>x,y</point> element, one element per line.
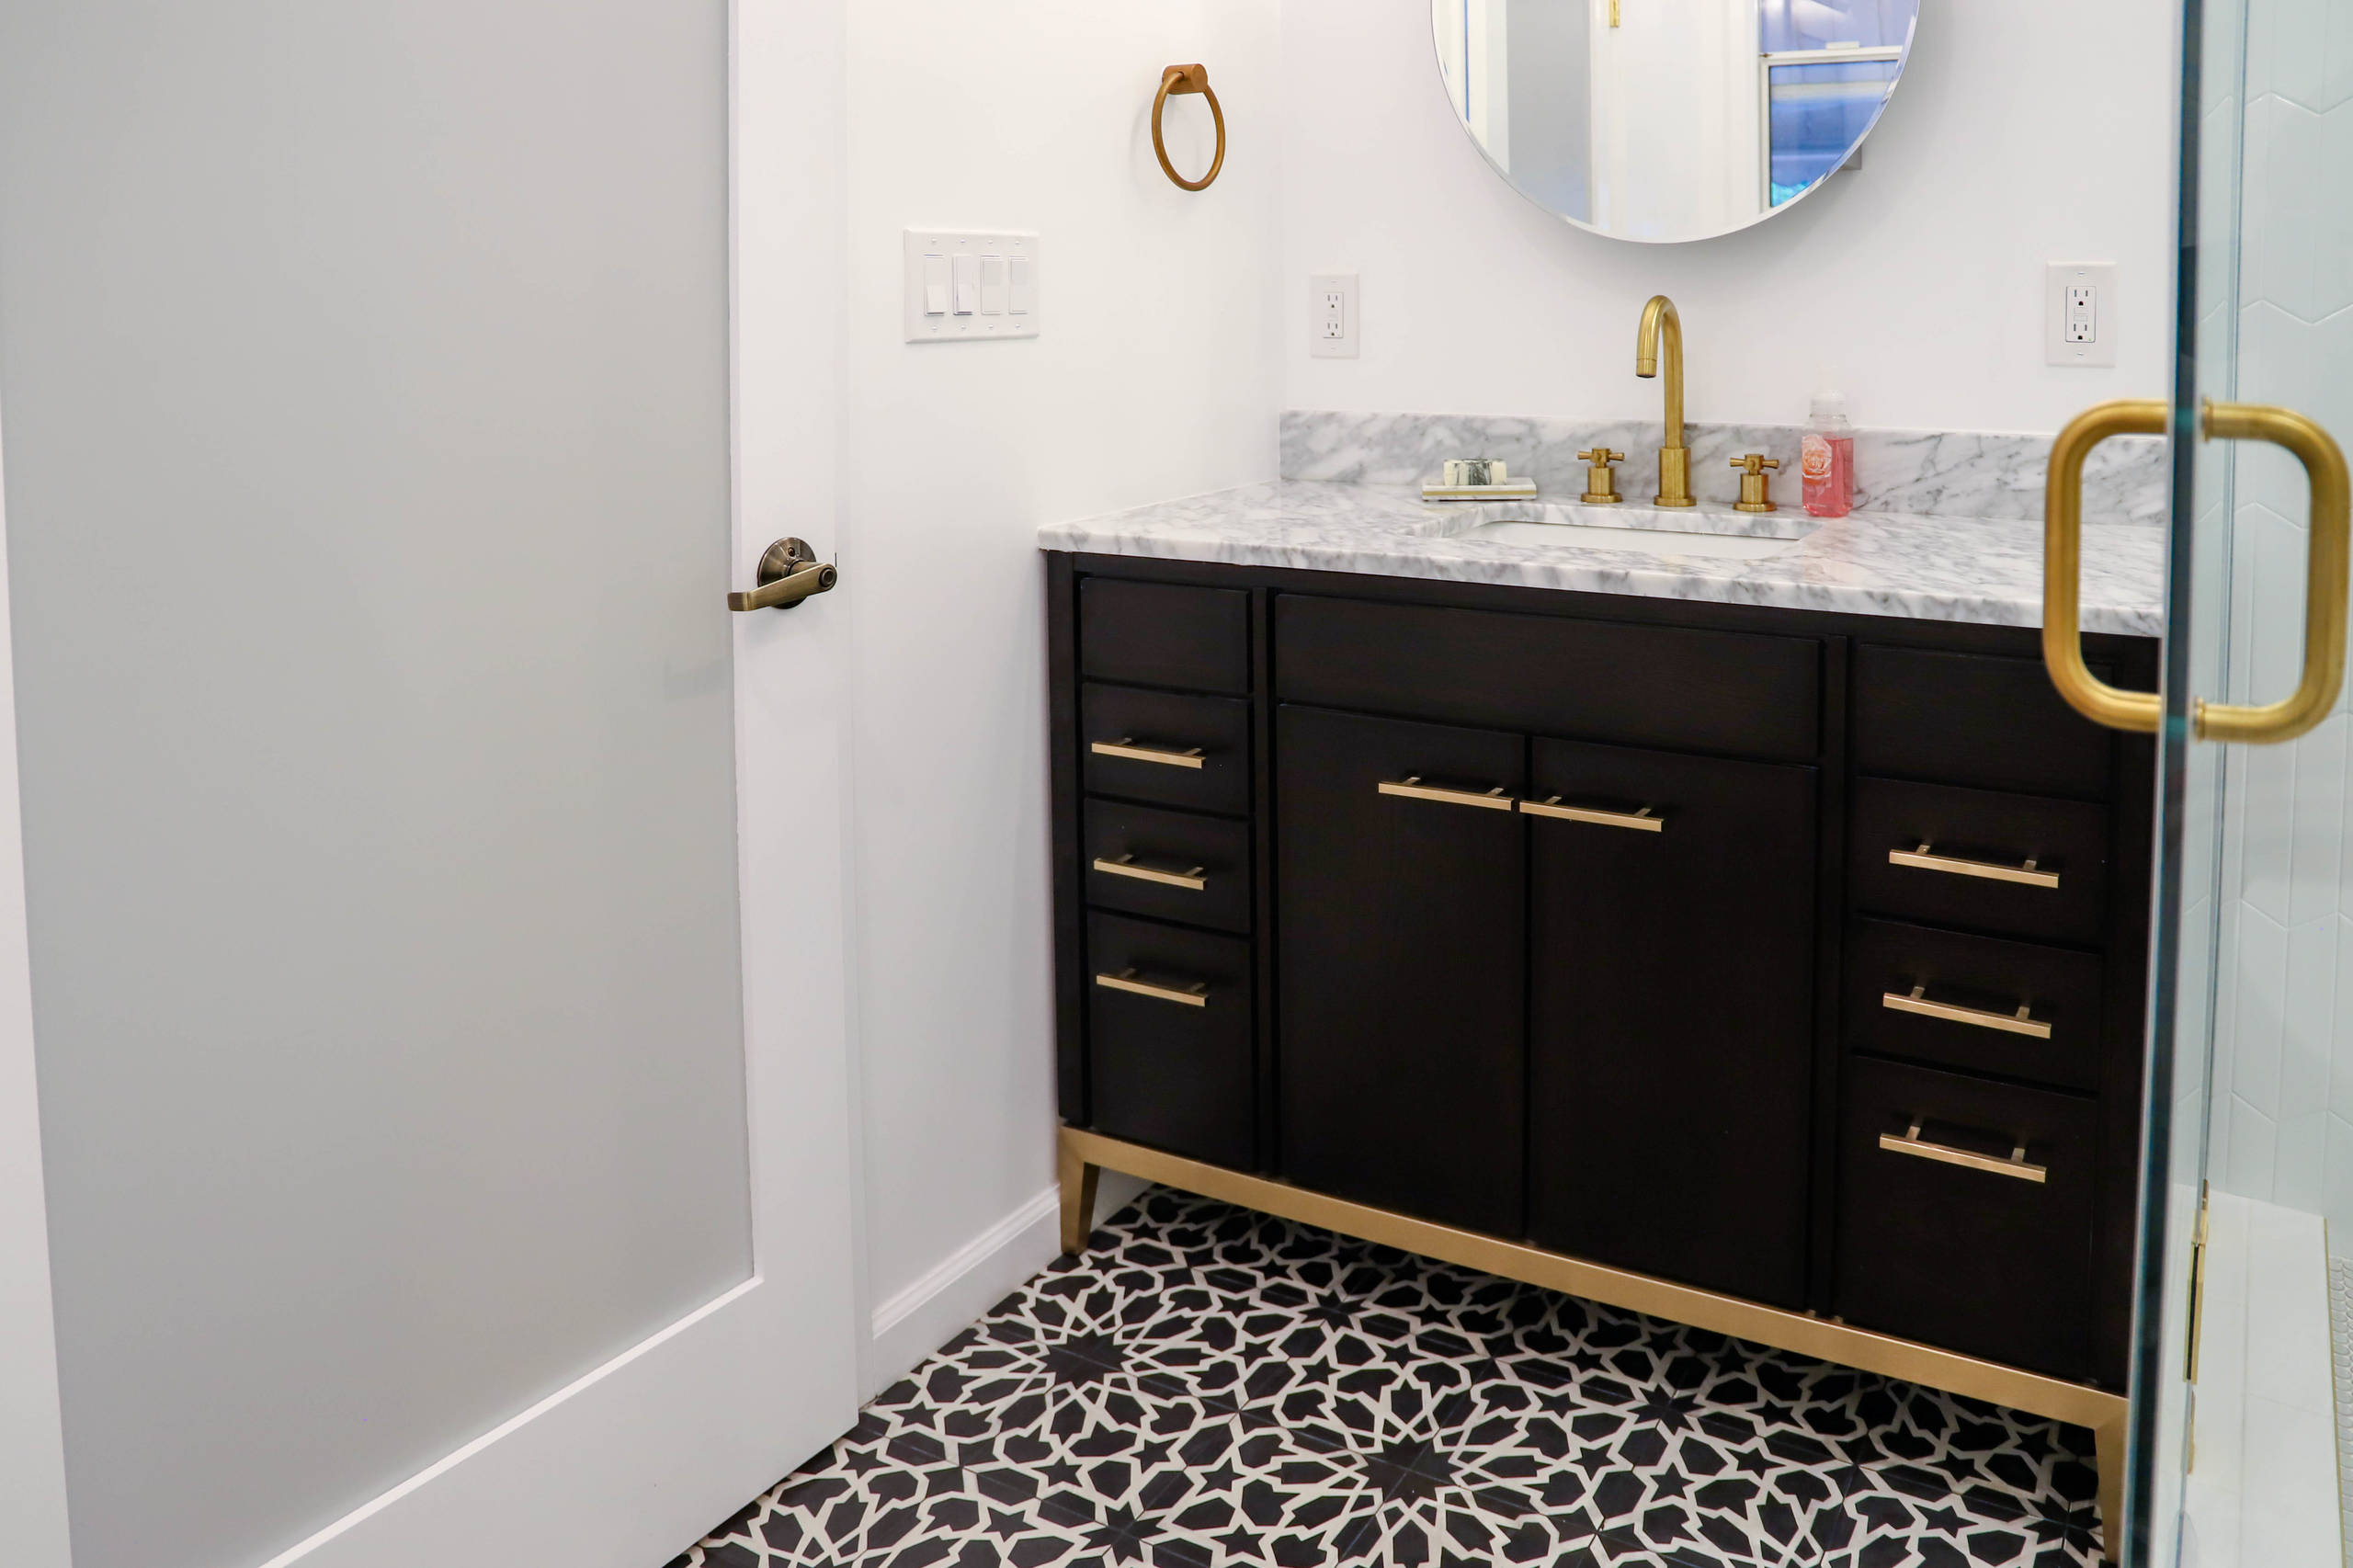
<point>1920,472</point>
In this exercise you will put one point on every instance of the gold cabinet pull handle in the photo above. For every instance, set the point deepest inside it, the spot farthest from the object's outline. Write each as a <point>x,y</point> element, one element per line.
<point>2325,571</point>
<point>2324,576</point>
<point>1912,1143</point>
<point>1125,747</point>
<point>1413,789</point>
<point>1125,866</point>
<point>2021,1022</point>
<point>1196,995</point>
<point>1641,819</point>
<point>1925,859</point>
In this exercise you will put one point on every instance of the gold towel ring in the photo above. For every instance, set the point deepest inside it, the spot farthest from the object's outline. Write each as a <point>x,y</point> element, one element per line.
<point>1188,79</point>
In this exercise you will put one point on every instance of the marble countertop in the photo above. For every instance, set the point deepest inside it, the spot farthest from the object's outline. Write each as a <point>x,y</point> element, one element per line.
<point>1960,569</point>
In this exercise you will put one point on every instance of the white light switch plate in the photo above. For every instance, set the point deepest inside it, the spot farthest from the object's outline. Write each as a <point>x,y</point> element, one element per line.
<point>1332,330</point>
<point>1003,303</point>
<point>2079,314</point>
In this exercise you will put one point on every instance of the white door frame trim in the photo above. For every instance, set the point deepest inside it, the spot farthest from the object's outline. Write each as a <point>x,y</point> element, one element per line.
<point>630,1463</point>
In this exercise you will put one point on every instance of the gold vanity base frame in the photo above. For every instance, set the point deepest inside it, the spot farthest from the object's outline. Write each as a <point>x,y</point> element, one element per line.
<point>1083,1155</point>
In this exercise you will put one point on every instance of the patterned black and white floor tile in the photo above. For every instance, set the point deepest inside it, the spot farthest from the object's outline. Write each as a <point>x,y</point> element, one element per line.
<point>1209,1387</point>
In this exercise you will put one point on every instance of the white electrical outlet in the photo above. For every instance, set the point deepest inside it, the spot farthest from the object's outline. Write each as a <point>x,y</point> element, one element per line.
<point>964,288</point>
<point>2079,314</point>
<point>1332,326</point>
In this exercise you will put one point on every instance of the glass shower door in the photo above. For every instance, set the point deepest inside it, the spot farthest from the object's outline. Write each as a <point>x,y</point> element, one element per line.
<point>2250,1094</point>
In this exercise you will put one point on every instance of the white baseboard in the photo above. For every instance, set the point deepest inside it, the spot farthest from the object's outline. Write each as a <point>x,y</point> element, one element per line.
<point>963,1285</point>
<point>960,1288</point>
<point>629,1464</point>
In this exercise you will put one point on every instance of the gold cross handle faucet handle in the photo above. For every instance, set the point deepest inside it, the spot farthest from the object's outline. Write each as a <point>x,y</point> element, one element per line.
<point>1600,479</point>
<point>1754,495</point>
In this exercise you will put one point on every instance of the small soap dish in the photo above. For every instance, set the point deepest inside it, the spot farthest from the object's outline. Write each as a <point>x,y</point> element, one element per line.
<point>1477,479</point>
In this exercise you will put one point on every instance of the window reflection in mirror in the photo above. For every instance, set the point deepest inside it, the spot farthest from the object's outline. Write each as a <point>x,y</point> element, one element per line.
<point>1670,120</point>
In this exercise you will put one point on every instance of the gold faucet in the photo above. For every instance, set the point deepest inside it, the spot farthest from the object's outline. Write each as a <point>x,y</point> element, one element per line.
<point>1674,458</point>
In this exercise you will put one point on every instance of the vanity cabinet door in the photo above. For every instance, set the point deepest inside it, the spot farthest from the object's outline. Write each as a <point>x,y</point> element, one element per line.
<point>1671,1058</point>
<point>1401,907</point>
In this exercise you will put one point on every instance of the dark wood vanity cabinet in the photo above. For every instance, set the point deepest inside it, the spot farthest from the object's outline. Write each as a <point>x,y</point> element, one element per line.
<point>1671,1065</point>
<point>1402,923</point>
<point>1793,957</point>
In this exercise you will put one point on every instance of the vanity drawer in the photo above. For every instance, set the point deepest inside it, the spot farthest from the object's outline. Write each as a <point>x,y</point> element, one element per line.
<point>1946,1234</point>
<point>1171,865</point>
<point>1163,635</point>
<point>1679,688</point>
<point>1160,747</point>
<point>1168,1038</point>
<point>1944,997</point>
<point>1975,718</point>
<point>1974,869</point>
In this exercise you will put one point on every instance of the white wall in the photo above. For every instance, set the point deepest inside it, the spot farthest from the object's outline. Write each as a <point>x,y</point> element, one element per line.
<point>1175,329</point>
<point>1915,285</point>
<point>2283,1110</point>
<point>1154,376</point>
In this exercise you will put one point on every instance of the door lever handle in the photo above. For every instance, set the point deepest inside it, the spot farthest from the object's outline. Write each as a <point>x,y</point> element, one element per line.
<point>789,572</point>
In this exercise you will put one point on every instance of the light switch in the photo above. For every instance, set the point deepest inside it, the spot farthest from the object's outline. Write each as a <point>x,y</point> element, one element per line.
<point>963,285</point>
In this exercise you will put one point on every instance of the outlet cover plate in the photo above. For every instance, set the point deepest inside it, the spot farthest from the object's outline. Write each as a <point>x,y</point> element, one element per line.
<point>948,243</point>
<point>2059,346</point>
<point>1334,329</point>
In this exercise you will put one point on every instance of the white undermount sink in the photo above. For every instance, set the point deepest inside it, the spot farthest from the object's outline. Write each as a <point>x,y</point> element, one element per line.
<point>1718,533</point>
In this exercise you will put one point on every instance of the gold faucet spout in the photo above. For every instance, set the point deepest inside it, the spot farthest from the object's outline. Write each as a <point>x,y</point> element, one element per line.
<point>1661,321</point>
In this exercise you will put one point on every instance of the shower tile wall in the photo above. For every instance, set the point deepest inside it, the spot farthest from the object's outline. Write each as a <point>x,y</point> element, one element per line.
<point>2283,1127</point>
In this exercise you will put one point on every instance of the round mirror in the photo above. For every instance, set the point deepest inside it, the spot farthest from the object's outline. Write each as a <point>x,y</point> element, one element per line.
<point>1670,120</point>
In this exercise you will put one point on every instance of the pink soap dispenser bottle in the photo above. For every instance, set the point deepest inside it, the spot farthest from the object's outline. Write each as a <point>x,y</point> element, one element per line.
<point>1829,458</point>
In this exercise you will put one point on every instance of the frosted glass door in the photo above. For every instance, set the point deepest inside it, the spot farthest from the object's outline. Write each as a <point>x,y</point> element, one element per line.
<point>365,371</point>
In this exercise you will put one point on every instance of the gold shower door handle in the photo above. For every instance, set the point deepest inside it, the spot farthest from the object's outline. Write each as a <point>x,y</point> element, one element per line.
<point>2325,568</point>
<point>2324,575</point>
<point>2063,564</point>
